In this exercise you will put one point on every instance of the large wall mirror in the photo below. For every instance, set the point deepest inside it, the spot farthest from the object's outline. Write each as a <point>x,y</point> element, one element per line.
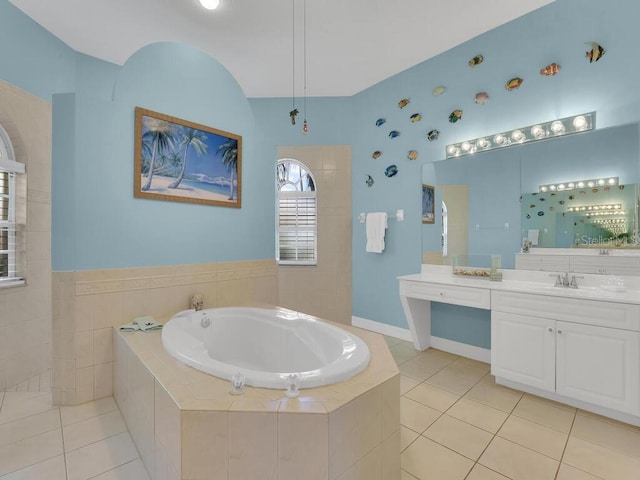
<point>492,200</point>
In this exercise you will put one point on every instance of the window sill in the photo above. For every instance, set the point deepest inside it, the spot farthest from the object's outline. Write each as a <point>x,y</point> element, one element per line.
<point>14,282</point>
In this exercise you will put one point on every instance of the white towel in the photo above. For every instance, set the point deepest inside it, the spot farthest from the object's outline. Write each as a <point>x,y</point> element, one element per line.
<point>376,228</point>
<point>532,236</point>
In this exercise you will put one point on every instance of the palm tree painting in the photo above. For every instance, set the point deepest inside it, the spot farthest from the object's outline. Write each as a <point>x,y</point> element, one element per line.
<point>178,160</point>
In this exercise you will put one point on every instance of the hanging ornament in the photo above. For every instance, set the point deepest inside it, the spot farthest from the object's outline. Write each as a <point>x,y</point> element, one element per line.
<point>305,127</point>
<point>293,114</point>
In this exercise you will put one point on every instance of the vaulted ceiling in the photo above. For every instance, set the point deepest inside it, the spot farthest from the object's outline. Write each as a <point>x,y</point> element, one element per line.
<point>350,44</point>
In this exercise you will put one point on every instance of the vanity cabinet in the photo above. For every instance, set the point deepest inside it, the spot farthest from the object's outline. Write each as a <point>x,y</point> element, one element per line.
<point>565,346</point>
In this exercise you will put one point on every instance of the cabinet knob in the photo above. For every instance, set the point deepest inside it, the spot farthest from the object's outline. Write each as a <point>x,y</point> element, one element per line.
<point>442,294</point>
<point>550,329</point>
<point>559,331</point>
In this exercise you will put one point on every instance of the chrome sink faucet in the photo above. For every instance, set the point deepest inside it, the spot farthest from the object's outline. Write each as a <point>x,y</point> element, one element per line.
<point>562,280</point>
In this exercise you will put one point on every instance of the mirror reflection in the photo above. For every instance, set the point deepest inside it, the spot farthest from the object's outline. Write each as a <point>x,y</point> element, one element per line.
<point>483,202</point>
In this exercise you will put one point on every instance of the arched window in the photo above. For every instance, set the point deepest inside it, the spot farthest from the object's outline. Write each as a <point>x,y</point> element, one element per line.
<point>296,240</point>
<point>11,232</point>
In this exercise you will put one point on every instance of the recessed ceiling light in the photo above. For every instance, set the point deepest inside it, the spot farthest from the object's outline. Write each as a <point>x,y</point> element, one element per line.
<point>210,4</point>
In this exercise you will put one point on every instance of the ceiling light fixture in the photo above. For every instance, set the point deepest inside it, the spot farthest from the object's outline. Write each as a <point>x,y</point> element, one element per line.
<point>564,186</point>
<point>210,4</point>
<point>540,131</point>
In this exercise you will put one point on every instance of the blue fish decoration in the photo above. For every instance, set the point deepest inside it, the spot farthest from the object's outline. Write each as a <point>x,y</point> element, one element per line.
<point>391,170</point>
<point>394,134</point>
<point>433,135</point>
<point>369,181</point>
<point>540,213</point>
<point>380,122</point>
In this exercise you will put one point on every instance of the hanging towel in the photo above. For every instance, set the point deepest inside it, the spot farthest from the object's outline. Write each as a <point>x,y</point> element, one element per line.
<point>532,236</point>
<point>376,228</point>
<point>147,323</point>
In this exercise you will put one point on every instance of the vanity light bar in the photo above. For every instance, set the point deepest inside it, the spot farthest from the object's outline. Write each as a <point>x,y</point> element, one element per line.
<point>594,208</point>
<point>610,221</point>
<point>594,182</point>
<point>533,133</point>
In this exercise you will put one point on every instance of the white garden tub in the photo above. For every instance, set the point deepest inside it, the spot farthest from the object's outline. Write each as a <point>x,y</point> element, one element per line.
<point>266,345</point>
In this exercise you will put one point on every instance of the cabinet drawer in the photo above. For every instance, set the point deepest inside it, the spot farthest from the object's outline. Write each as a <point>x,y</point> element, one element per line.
<point>457,295</point>
<point>577,310</point>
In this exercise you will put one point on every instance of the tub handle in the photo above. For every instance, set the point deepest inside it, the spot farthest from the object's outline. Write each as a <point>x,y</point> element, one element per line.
<point>205,321</point>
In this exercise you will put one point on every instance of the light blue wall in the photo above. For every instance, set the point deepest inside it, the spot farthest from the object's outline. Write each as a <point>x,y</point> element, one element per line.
<point>555,33</point>
<point>31,58</point>
<point>93,197</point>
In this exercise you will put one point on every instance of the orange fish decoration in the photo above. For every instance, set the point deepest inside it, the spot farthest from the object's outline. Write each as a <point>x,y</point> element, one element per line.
<point>551,69</point>
<point>595,53</point>
<point>513,84</point>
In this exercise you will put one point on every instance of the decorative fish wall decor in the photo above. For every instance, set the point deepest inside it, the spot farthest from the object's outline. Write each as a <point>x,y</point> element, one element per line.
<point>412,155</point>
<point>513,84</point>
<point>432,135</point>
<point>439,90</point>
<point>455,116</point>
<point>416,117</point>
<point>481,98</point>
<point>369,181</point>
<point>551,69</point>
<point>380,122</point>
<point>475,61</point>
<point>376,154</point>
<point>403,103</point>
<point>596,52</point>
<point>391,171</point>
<point>394,134</point>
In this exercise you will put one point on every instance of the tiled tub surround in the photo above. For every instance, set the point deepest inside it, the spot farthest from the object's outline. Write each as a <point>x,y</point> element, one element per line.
<point>186,425</point>
<point>87,304</point>
<point>25,311</point>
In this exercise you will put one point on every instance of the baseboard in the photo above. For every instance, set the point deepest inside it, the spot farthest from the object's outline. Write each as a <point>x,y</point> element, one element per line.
<point>451,346</point>
<point>382,328</point>
<point>462,349</point>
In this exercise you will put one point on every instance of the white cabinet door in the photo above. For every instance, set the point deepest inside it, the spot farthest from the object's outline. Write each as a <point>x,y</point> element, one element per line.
<point>523,349</point>
<point>599,365</point>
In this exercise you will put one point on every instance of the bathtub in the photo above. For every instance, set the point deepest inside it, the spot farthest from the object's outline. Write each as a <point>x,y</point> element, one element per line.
<point>266,345</point>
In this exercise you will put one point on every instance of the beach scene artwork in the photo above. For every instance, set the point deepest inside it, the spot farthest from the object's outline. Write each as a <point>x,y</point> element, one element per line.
<point>181,161</point>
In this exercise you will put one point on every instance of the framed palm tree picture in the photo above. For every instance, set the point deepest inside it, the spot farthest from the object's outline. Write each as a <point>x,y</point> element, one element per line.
<point>182,161</point>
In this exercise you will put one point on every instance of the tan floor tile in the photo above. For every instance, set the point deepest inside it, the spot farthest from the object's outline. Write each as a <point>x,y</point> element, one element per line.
<point>18,405</point>
<point>88,431</point>
<point>532,435</point>
<point>100,457</point>
<point>433,397</point>
<point>403,351</point>
<point>486,391</point>
<point>407,436</point>
<point>51,469</point>
<point>517,462</point>
<point>600,461</point>
<point>455,380</point>
<point>480,472</point>
<point>434,360</point>
<point>407,383</point>
<point>33,425</point>
<point>130,471</point>
<point>404,475</point>
<point>426,459</point>
<point>415,371</point>
<point>416,416</point>
<point>486,367</point>
<point>616,436</point>
<point>567,472</point>
<point>391,341</point>
<point>25,453</point>
<point>459,436</point>
<point>87,410</point>
<point>477,414</point>
<point>548,414</point>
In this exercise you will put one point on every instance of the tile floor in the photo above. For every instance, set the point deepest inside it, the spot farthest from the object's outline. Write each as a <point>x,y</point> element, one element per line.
<point>456,424</point>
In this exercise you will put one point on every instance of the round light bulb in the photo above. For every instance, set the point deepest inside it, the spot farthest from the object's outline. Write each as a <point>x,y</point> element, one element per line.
<point>557,127</point>
<point>537,131</point>
<point>552,188</point>
<point>580,184</point>
<point>482,143</point>
<point>601,182</point>
<point>580,123</point>
<point>466,146</point>
<point>571,185</point>
<point>499,139</point>
<point>210,4</point>
<point>517,136</point>
<point>591,184</point>
<point>612,181</point>
<point>561,186</point>
<point>452,150</point>
<point>543,189</point>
